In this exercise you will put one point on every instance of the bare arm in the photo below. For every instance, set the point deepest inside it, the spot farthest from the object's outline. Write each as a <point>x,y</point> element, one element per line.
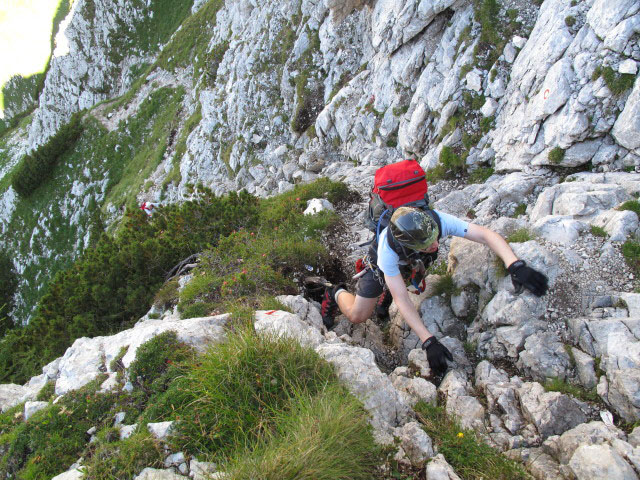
<point>493,240</point>
<point>405,305</point>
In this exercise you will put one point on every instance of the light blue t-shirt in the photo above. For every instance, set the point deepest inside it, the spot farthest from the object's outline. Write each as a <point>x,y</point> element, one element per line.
<point>388,260</point>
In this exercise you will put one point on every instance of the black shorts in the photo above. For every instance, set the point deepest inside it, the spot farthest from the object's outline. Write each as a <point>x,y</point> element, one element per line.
<point>369,286</point>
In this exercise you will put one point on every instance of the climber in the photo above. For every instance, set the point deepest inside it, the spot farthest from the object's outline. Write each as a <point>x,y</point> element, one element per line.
<point>413,231</point>
<point>148,207</point>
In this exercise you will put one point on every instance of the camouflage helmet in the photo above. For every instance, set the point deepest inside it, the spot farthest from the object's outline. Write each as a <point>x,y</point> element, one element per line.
<point>413,228</point>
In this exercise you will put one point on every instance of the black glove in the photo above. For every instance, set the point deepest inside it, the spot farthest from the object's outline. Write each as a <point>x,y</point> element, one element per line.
<point>437,354</point>
<point>527,277</point>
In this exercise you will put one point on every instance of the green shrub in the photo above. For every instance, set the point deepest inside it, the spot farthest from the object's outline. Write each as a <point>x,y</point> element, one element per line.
<point>469,456</point>
<point>632,205</point>
<point>36,168</point>
<point>112,285</point>
<point>158,362</point>
<point>556,155</point>
<point>8,286</point>
<point>570,21</point>
<point>486,123</point>
<point>520,236</point>
<point>239,388</point>
<point>325,437</point>
<point>598,231</point>
<point>47,392</point>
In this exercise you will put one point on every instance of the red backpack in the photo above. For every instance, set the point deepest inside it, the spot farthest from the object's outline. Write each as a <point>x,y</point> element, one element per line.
<point>395,185</point>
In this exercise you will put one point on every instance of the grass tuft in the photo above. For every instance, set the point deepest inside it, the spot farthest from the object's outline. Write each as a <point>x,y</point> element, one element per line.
<point>324,437</point>
<point>632,205</point>
<point>469,456</point>
<point>558,385</point>
<point>520,236</point>
<point>598,231</point>
<point>556,155</point>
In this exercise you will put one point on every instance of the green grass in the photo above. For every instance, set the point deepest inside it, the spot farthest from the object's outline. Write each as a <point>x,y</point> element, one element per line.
<point>520,210</point>
<point>325,437</point>
<point>558,385</point>
<point>469,456</point>
<point>598,231</point>
<point>631,253</point>
<point>520,236</point>
<point>632,205</point>
<point>616,82</point>
<point>238,391</point>
<point>450,164</point>
<point>192,40</point>
<point>480,175</point>
<point>446,286</point>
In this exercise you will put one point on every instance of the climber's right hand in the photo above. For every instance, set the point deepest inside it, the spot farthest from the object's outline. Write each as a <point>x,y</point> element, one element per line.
<point>437,355</point>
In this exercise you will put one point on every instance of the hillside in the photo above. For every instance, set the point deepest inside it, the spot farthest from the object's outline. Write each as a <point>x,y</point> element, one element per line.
<point>526,116</point>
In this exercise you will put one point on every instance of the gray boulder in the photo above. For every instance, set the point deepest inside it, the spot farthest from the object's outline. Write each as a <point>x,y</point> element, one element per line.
<point>600,461</point>
<point>544,356</point>
<point>439,469</point>
<point>552,413</point>
<point>415,442</point>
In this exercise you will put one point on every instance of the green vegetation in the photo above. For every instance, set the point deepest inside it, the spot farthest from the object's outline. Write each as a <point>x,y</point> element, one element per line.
<point>8,285</point>
<point>469,456</point>
<point>53,438</point>
<point>446,286</point>
<point>251,404</point>
<point>309,93</point>
<point>450,165</point>
<point>570,21</point>
<point>520,210</point>
<point>480,175</point>
<point>520,236</point>
<point>192,41</point>
<point>492,33</point>
<point>631,253</point>
<point>556,155</point>
<point>144,141</point>
<point>323,437</point>
<point>598,231</point>
<point>618,83</point>
<point>558,385</point>
<point>36,167</point>
<point>114,283</point>
<point>632,205</point>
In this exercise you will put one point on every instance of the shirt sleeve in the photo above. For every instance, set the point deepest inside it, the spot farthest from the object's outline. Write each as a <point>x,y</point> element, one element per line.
<point>452,225</point>
<point>387,258</point>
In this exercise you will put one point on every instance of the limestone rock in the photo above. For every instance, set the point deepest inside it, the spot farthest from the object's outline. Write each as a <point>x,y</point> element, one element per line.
<point>626,130</point>
<point>158,474</point>
<point>544,356</point>
<point>416,443</point>
<point>12,395</point>
<point>287,325</point>
<point>33,407</point>
<point>303,309</point>
<point>439,469</point>
<point>600,461</point>
<point>357,368</point>
<point>552,413</point>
